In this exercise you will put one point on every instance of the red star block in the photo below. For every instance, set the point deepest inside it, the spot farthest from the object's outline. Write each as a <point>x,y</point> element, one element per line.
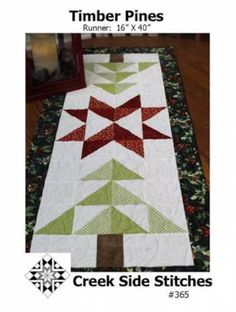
<point>114,132</point>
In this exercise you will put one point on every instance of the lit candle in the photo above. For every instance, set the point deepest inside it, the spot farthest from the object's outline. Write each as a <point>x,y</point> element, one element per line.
<point>44,50</point>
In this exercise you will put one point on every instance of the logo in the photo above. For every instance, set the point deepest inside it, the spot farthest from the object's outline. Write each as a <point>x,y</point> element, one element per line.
<point>47,275</point>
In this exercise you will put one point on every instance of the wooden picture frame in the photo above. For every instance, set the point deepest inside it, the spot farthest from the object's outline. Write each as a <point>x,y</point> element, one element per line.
<point>61,86</point>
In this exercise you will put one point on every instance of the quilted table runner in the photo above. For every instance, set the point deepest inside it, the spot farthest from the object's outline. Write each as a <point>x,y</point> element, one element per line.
<point>112,195</point>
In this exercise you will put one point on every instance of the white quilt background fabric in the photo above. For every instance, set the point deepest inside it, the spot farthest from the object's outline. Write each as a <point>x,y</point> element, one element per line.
<point>159,188</point>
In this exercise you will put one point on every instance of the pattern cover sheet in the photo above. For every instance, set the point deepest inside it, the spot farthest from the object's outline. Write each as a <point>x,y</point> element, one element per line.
<point>112,195</point>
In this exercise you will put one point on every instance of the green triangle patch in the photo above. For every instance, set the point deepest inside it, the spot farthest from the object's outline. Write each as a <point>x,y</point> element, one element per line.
<point>61,225</point>
<point>110,221</point>
<point>120,172</point>
<point>120,196</point>
<point>123,224</point>
<point>111,194</point>
<point>160,224</point>
<point>108,76</point>
<point>120,87</point>
<point>114,88</point>
<point>103,196</point>
<point>108,87</point>
<point>102,173</point>
<point>116,77</point>
<point>115,66</point>
<point>144,65</point>
<point>90,66</point>
<point>112,170</point>
<point>101,224</point>
<point>123,75</point>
